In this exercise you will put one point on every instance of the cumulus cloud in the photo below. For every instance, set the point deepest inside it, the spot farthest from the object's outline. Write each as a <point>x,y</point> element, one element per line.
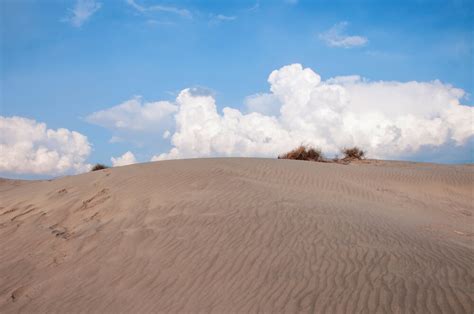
<point>82,11</point>
<point>126,159</point>
<point>335,37</point>
<point>160,8</point>
<point>135,115</point>
<point>265,103</point>
<point>29,147</point>
<point>387,118</point>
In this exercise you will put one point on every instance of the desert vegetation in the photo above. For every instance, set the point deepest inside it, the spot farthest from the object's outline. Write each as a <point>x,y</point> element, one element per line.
<point>304,153</point>
<point>353,153</point>
<point>99,167</point>
<point>310,153</point>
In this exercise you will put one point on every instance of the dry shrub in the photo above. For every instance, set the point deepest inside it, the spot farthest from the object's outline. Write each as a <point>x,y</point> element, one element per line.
<point>99,167</point>
<point>353,153</point>
<point>304,153</point>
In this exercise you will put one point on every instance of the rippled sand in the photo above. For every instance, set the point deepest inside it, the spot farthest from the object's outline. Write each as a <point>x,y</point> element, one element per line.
<point>241,235</point>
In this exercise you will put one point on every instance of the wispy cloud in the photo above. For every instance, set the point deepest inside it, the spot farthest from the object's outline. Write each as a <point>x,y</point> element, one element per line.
<point>219,18</point>
<point>254,8</point>
<point>160,8</point>
<point>222,17</point>
<point>153,22</point>
<point>336,37</point>
<point>82,11</point>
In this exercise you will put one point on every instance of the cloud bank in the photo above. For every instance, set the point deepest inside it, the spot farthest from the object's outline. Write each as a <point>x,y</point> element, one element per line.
<point>389,119</point>
<point>29,147</point>
<point>335,37</point>
<point>82,11</point>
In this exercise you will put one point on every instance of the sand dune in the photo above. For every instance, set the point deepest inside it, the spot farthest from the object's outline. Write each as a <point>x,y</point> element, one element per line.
<point>241,235</point>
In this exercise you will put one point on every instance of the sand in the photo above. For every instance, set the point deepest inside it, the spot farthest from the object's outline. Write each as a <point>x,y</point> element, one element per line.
<point>241,235</point>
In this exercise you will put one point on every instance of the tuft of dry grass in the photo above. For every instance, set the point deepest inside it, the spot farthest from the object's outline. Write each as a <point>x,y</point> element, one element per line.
<point>304,153</point>
<point>99,167</point>
<point>353,153</point>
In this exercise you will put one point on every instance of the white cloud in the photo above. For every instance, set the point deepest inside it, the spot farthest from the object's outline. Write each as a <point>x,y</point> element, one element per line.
<point>126,159</point>
<point>267,104</point>
<point>29,147</point>
<point>335,37</point>
<point>386,118</point>
<point>160,8</point>
<point>82,11</point>
<point>135,115</point>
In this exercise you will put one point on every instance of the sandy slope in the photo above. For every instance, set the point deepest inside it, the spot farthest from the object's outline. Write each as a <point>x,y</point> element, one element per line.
<point>239,235</point>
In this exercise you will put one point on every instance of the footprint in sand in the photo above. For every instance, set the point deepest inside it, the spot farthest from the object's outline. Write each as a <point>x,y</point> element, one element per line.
<point>17,293</point>
<point>60,232</point>
<point>97,199</point>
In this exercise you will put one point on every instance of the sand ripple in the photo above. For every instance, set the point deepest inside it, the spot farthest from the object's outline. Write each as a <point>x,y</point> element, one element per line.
<point>241,235</point>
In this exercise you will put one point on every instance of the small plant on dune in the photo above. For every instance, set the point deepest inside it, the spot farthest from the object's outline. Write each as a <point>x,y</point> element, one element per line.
<point>99,167</point>
<point>353,153</point>
<point>304,153</point>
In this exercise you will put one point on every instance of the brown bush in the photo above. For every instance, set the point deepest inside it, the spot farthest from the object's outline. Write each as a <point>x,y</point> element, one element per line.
<point>353,153</point>
<point>304,153</point>
<point>99,167</point>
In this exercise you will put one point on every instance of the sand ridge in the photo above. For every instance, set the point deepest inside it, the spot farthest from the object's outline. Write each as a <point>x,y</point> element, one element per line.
<point>241,235</point>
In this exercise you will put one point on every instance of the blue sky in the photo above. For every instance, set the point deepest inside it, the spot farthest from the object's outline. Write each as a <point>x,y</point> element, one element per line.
<point>58,71</point>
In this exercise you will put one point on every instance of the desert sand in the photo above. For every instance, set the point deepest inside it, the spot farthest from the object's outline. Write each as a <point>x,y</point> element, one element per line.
<point>241,235</point>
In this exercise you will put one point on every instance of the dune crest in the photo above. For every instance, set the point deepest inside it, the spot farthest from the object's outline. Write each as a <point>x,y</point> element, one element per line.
<point>241,235</point>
